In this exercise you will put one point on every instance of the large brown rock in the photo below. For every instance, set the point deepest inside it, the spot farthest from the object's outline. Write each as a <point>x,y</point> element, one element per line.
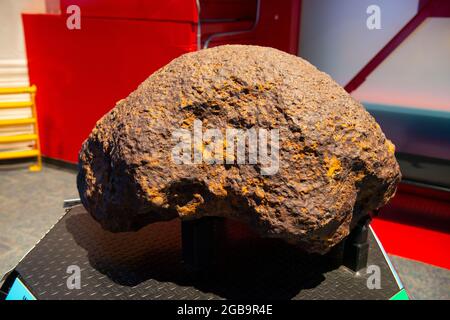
<point>335,164</point>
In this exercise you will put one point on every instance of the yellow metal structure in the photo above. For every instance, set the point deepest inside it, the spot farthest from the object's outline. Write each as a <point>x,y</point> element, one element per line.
<point>18,138</point>
<point>11,122</point>
<point>10,105</point>
<point>36,152</point>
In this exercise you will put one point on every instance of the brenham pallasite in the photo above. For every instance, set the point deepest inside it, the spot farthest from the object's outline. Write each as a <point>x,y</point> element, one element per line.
<point>271,168</point>
<point>335,163</point>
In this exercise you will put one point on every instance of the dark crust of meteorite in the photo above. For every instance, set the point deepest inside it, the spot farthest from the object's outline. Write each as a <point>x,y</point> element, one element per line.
<point>336,165</point>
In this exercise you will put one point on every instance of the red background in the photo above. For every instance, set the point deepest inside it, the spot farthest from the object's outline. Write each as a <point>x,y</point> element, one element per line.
<point>80,74</point>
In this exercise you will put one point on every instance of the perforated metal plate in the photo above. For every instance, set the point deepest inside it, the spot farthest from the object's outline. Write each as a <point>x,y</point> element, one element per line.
<point>147,265</point>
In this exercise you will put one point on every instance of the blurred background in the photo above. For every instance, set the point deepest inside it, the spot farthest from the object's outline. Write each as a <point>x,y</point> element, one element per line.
<point>69,65</point>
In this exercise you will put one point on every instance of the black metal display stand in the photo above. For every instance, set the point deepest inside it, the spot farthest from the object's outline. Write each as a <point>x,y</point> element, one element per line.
<point>208,258</point>
<point>201,244</point>
<point>200,241</point>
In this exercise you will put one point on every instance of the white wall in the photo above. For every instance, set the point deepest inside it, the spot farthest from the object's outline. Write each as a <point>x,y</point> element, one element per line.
<point>11,33</point>
<point>13,64</point>
<point>335,38</point>
<point>13,67</point>
<point>417,73</point>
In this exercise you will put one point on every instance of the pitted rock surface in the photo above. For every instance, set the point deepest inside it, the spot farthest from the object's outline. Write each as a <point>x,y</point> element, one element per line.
<point>335,163</point>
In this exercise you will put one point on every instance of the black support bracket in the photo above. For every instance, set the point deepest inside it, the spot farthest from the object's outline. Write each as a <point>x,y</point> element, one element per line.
<point>200,241</point>
<point>356,246</point>
<point>201,244</point>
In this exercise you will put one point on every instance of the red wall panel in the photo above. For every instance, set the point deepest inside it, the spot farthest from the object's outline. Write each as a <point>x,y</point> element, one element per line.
<point>416,225</point>
<point>278,26</point>
<point>167,10</point>
<point>80,74</point>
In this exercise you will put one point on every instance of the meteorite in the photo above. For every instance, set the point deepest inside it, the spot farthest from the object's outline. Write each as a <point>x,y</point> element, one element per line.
<point>334,164</point>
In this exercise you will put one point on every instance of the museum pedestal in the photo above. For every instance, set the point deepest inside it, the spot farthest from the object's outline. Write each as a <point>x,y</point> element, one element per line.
<point>169,261</point>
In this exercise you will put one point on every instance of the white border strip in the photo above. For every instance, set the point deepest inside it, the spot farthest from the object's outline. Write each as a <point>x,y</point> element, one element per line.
<point>386,257</point>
